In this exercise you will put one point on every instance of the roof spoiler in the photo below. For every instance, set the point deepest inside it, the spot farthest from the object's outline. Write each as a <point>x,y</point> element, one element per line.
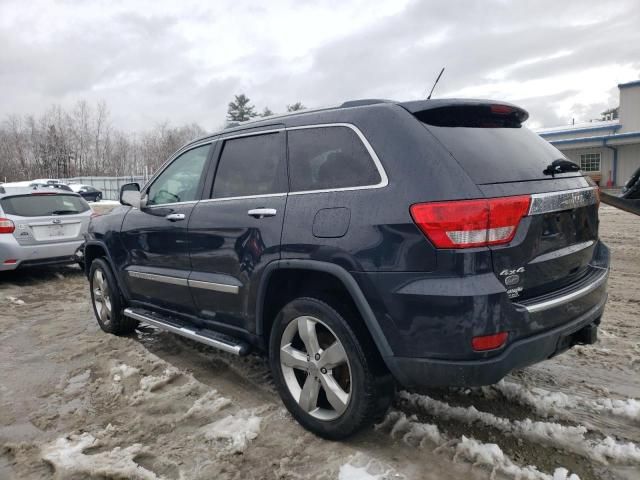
<point>463,112</point>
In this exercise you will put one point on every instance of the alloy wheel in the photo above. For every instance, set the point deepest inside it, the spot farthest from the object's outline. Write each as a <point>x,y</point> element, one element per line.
<point>102,297</point>
<point>315,368</point>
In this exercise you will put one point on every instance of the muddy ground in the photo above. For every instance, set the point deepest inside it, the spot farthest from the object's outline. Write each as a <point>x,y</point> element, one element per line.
<point>77,403</point>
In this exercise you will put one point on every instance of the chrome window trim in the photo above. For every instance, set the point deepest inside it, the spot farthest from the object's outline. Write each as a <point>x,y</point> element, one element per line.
<point>581,292</point>
<point>246,197</point>
<point>164,205</point>
<point>563,200</point>
<point>216,287</point>
<point>253,134</point>
<point>183,282</point>
<point>384,179</point>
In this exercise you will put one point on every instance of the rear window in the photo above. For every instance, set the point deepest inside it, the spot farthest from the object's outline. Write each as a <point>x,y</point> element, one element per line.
<point>498,154</point>
<point>43,205</point>
<point>327,158</point>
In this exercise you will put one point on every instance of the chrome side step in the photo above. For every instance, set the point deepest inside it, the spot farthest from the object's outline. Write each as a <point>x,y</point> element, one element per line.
<point>217,340</point>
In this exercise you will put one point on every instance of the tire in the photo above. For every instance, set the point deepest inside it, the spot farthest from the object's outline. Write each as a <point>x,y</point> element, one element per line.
<point>365,389</point>
<point>107,300</point>
<point>98,197</point>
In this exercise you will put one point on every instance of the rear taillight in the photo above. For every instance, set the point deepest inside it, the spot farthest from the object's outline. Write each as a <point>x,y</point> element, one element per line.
<point>471,223</point>
<point>6,226</point>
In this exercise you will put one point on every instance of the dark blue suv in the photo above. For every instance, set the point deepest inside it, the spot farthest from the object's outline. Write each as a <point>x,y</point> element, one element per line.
<point>378,243</point>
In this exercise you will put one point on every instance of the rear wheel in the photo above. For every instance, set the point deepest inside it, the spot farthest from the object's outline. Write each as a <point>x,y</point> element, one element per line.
<point>107,301</point>
<point>329,378</point>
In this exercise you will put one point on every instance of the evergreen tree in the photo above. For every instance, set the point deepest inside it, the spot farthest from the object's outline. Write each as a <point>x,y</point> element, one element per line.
<point>295,107</point>
<point>240,110</point>
<point>266,112</point>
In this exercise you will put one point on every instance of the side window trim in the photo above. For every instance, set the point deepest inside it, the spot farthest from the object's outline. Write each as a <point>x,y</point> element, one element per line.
<point>175,156</point>
<point>384,180</point>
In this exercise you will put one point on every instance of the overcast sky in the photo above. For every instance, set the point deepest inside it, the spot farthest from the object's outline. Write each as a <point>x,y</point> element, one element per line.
<point>182,61</point>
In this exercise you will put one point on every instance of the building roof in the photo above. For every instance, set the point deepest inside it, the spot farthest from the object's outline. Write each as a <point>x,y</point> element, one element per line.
<point>580,128</point>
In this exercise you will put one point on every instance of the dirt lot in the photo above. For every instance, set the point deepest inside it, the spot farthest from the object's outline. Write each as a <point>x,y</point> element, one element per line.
<point>77,403</point>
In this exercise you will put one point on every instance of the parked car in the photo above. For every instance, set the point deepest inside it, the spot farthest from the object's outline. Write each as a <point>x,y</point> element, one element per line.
<point>421,243</point>
<point>89,193</point>
<point>59,186</point>
<point>41,226</point>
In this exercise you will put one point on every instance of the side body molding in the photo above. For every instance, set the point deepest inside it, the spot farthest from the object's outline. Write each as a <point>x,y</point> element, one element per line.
<point>349,283</point>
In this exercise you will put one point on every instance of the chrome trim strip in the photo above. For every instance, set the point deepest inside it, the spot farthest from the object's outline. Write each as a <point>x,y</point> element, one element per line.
<point>216,287</point>
<point>252,134</point>
<point>266,195</point>
<point>164,205</point>
<point>562,252</point>
<point>564,200</point>
<point>184,332</point>
<point>384,180</point>
<point>183,282</point>
<point>546,305</point>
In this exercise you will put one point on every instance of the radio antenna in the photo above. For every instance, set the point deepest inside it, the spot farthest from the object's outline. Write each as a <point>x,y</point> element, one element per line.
<point>435,83</point>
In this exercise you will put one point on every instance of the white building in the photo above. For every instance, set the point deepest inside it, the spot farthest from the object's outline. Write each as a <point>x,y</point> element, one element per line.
<point>609,150</point>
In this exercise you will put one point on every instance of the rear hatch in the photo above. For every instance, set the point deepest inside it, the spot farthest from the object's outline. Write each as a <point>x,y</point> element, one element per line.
<point>555,241</point>
<point>46,217</point>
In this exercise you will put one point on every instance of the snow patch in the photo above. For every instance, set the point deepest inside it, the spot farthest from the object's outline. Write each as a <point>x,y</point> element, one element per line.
<point>237,430</point>
<point>548,403</point>
<point>67,457</point>
<point>569,438</point>
<point>123,371</point>
<point>363,467</point>
<point>209,404</point>
<point>152,383</point>
<point>467,449</point>
<point>15,300</point>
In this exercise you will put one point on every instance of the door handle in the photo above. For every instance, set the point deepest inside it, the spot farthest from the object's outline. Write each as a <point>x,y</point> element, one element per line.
<point>262,212</point>
<point>174,217</point>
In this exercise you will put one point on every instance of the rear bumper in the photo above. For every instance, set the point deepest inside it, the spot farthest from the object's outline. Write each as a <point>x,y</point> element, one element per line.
<point>429,323</point>
<point>34,255</point>
<point>415,372</point>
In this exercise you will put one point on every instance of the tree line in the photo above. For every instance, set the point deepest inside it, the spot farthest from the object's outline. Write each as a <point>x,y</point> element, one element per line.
<point>82,141</point>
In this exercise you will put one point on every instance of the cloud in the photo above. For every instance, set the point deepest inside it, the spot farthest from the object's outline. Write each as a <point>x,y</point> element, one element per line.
<point>159,60</point>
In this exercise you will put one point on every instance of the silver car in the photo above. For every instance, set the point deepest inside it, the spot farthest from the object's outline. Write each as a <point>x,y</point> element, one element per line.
<point>41,227</point>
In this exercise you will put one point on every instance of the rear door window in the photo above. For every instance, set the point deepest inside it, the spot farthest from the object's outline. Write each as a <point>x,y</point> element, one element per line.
<point>43,205</point>
<point>325,158</point>
<point>254,165</point>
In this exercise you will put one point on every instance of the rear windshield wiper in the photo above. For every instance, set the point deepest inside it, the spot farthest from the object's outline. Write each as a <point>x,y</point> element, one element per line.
<point>64,212</point>
<point>560,166</point>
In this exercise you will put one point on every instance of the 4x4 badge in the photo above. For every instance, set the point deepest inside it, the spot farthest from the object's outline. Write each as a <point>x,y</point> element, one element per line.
<point>508,271</point>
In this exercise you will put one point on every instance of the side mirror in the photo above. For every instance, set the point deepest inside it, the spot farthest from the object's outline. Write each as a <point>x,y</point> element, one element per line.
<point>130,195</point>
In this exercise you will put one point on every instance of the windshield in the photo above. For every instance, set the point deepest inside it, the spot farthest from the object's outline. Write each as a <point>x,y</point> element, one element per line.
<point>43,205</point>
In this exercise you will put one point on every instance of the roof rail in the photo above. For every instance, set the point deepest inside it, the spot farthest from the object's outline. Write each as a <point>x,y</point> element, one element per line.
<point>364,101</point>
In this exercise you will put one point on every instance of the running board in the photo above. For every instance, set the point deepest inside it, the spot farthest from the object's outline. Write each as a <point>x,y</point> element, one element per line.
<point>223,342</point>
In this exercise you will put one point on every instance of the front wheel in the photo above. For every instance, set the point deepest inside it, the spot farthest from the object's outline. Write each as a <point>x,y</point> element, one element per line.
<point>107,301</point>
<point>330,378</point>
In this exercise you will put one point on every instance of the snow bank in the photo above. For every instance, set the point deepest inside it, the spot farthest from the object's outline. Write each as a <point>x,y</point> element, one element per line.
<point>237,430</point>
<point>569,438</point>
<point>548,403</point>
<point>68,459</point>
<point>488,455</point>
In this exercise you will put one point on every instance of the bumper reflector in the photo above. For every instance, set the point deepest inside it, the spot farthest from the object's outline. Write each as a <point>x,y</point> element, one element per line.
<point>489,342</point>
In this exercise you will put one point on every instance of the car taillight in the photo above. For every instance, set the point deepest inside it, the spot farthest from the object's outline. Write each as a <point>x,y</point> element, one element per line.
<point>6,226</point>
<point>471,223</point>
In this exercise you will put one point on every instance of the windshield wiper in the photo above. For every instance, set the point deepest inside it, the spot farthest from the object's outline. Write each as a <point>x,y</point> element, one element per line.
<point>560,166</point>
<point>63,212</point>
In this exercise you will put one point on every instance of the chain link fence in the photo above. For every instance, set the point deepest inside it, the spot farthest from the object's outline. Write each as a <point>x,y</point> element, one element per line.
<point>109,186</point>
